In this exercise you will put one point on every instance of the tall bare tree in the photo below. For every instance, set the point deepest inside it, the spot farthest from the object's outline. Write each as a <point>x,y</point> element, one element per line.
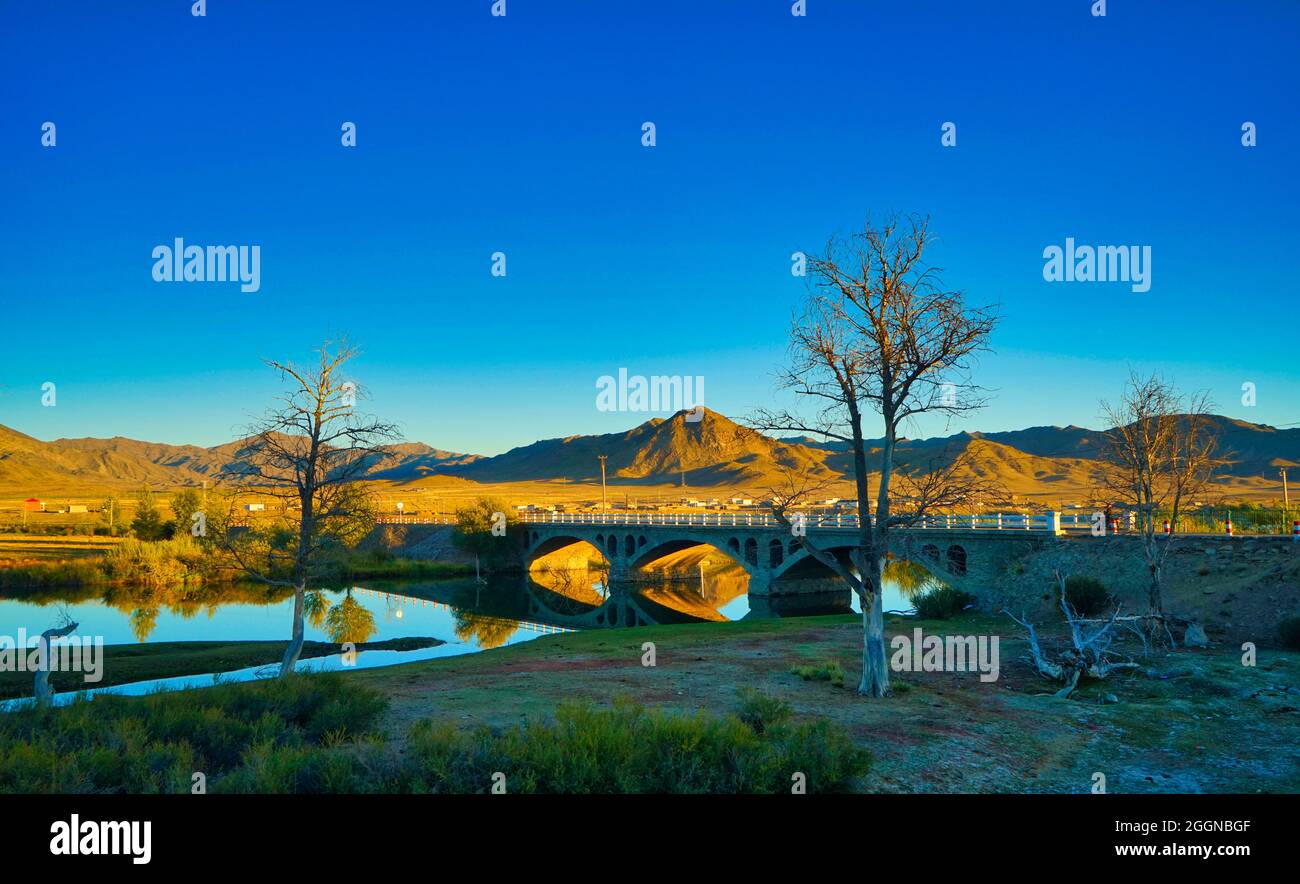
<point>1160,452</point>
<point>307,455</point>
<point>880,334</point>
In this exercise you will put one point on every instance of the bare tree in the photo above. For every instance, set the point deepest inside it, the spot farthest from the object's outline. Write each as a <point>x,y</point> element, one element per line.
<point>307,454</point>
<point>879,333</point>
<point>44,651</point>
<point>1159,454</point>
<point>1090,653</point>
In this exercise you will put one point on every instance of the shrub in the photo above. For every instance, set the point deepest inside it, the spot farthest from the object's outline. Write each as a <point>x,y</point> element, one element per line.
<point>154,744</point>
<point>762,711</point>
<point>1288,633</point>
<point>1087,595</point>
<point>156,564</point>
<point>941,603</point>
<point>828,670</point>
<point>629,748</point>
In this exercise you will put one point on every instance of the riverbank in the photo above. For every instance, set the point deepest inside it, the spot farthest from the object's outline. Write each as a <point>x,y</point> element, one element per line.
<point>125,664</point>
<point>37,562</point>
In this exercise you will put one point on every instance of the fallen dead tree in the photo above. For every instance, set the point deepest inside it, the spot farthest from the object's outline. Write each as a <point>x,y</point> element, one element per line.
<point>1090,654</point>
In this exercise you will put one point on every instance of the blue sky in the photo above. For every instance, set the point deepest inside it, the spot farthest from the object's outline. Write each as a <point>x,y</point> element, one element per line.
<point>523,135</point>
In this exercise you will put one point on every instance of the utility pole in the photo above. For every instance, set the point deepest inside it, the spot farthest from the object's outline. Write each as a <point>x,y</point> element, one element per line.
<point>1286,495</point>
<point>602,458</point>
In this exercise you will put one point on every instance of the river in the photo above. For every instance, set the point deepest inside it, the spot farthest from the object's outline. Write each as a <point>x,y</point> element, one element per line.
<point>467,616</point>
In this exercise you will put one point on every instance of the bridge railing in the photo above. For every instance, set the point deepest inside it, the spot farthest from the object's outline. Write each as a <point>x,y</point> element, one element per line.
<point>1047,522</point>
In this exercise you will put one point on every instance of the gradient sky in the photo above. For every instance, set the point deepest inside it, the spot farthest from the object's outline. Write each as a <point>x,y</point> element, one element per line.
<point>523,134</point>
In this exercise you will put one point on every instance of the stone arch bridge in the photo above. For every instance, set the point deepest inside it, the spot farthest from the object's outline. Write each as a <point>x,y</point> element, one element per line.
<point>971,553</point>
<point>961,551</point>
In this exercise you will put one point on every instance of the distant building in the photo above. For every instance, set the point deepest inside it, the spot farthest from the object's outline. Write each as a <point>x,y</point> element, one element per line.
<point>254,507</point>
<point>34,505</point>
<point>77,508</point>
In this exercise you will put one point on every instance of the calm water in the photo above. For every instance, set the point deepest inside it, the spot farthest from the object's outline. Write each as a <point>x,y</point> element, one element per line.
<point>467,616</point>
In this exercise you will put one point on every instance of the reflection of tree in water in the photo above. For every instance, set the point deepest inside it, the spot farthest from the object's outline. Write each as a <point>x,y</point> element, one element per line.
<point>488,631</point>
<point>315,606</point>
<point>910,578</point>
<point>143,604</point>
<point>143,622</point>
<point>350,621</point>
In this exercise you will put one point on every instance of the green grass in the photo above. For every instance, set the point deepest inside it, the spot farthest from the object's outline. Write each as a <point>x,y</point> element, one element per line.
<point>315,734</point>
<point>941,603</point>
<point>827,670</point>
<point>379,565</point>
<point>631,749</point>
<point>155,744</point>
<point>160,563</point>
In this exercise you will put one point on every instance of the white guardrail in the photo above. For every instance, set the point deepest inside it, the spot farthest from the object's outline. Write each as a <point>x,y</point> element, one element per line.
<point>1053,522</point>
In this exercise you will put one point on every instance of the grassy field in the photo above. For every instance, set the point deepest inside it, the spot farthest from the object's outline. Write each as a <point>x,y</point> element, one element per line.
<point>1191,721</point>
<point>1199,722</point>
<point>28,548</point>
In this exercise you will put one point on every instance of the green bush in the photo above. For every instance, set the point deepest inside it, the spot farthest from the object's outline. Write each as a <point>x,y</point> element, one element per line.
<point>631,749</point>
<point>1087,595</point>
<point>156,563</point>
<point>1288,633</point>
<point>762,711</point>
<point>154,744</point>
<point>941,602</point>
<point>829,670</point>
<point>310,734</point>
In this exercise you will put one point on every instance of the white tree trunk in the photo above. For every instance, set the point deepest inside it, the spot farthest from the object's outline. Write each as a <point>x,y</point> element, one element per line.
<point>294,650</point>
<point>875,664</point>
<point>42,686</point>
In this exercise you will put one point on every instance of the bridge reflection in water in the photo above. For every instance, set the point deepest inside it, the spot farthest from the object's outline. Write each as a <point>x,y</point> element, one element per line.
<point>699,583</point>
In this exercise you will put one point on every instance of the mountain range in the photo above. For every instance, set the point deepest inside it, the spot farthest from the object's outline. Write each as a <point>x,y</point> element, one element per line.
<point>712,452</point>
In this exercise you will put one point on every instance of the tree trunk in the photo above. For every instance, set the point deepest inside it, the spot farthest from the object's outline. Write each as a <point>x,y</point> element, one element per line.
<point>41,688</point>
<point>292,652</point>
<point>1154,601</point>
<point>875,664</point>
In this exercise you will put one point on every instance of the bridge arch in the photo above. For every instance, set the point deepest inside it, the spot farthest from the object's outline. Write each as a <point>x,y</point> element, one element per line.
<point>775,553</point>
<point>578,548</point>
<point>652,551</point>
<point>957,560</point>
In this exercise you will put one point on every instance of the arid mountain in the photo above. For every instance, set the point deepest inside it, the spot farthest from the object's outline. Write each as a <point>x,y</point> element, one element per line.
<point>30,465</point>
<point>714,451</point>
<point>1252,450</point>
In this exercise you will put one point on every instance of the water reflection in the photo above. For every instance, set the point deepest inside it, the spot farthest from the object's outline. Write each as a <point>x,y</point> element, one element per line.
<point>349,621</point>
<point>503,609</point>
